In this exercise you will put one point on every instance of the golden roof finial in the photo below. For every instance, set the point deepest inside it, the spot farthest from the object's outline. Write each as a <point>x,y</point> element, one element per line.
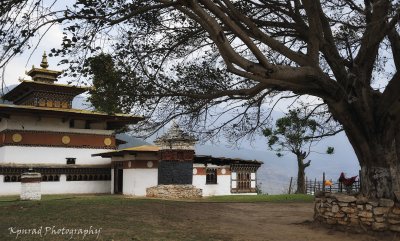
<point>44,64</point>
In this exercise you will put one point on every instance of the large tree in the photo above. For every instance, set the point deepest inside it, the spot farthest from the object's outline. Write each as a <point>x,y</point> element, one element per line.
<point>191,55</point>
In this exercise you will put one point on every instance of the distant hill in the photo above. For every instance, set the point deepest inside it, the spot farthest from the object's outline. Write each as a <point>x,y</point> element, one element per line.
<point>131,141</point>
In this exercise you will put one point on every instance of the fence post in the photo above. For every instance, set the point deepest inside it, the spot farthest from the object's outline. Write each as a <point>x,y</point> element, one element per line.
<point>290,185</point>
<point>323,182</point>
<point>306,186</point>
<point>315,185</point>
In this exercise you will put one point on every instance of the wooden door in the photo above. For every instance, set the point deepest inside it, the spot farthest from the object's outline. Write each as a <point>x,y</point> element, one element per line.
<point>118,180</point>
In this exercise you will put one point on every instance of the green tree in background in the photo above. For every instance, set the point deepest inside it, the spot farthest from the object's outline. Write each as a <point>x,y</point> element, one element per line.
<point>111,88</point>
<point>104,95</point>
<point>296,133</point>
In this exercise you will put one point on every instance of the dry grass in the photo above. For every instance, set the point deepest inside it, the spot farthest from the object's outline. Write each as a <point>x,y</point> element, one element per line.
<point>121,218</point>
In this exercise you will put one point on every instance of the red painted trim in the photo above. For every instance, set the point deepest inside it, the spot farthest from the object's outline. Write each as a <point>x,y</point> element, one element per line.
<point>54,139</point>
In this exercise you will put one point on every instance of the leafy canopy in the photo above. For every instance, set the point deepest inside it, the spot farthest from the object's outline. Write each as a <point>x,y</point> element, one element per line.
<point>296,132</point>
<point>107,84</point>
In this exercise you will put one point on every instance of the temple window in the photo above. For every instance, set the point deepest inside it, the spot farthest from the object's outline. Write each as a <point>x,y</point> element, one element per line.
<point>50,178</point>
<point>71,161</point>
<point>244,181</point>
<point>12,178</point>
<point>89,177</point>
<point>211,176</point>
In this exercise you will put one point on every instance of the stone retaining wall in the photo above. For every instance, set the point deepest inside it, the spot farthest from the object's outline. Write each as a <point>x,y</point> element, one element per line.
<point>357,212</point>
<point>174,191</point>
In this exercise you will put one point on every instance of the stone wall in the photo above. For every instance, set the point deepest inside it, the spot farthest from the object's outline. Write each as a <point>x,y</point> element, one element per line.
<point>357,212</point>
<point>174,191</point>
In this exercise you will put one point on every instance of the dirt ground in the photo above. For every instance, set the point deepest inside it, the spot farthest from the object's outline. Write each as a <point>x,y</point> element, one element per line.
<point>270,221</point>
<point>160,220</point>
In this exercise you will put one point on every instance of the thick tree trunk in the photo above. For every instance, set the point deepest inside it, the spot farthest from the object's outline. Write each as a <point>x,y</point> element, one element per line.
<point>381,178</point>
<point>375,137</point>
<point>301,184</point>
<point>379,161</point>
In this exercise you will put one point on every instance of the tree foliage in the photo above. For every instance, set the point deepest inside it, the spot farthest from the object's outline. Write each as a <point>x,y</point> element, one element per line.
<point>192,55</point>
<point>296,132</point>
<point>109,92</point>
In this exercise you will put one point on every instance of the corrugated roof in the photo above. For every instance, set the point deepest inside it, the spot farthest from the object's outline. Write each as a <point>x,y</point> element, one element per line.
<point>197,158</point>
<point>142,148</point>
<point>207,158</point>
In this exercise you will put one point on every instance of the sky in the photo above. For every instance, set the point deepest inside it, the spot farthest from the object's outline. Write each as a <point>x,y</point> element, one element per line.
<point>18,65</point>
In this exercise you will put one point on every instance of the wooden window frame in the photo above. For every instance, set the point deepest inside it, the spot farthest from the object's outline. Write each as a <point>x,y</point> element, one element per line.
<point>211,176</point>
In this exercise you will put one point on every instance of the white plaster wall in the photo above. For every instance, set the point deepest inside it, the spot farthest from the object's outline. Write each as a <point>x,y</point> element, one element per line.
<point>137,180</point>
<point>17,122</point>
<point>75,186</point>
<point>223,186</point>
<point>50,155</point>
<point>61,187</point>
<point>2,154</point>
<point>9,188</point>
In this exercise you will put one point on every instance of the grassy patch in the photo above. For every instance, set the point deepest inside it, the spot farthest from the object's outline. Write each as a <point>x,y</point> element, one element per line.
<point>262,198</point>
<point>119,217</point>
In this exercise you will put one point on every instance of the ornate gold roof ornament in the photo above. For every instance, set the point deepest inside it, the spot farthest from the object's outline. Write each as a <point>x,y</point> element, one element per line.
<point>44,64</point>
<point>43,74</point>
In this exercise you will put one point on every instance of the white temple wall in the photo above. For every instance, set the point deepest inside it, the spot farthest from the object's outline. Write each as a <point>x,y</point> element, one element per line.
<point>9,188</point>
<point>77,187</point>
<point>223,186</point>
<point>136,181</point>
<point>51,155</point>
<point>61,187</point>
<point>2,154</point>
<point>52,124</point>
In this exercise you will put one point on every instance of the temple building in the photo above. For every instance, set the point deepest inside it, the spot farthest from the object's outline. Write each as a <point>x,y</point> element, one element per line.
<point>172,163</point>
<point>76,151</point>
<point>41,131</point>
